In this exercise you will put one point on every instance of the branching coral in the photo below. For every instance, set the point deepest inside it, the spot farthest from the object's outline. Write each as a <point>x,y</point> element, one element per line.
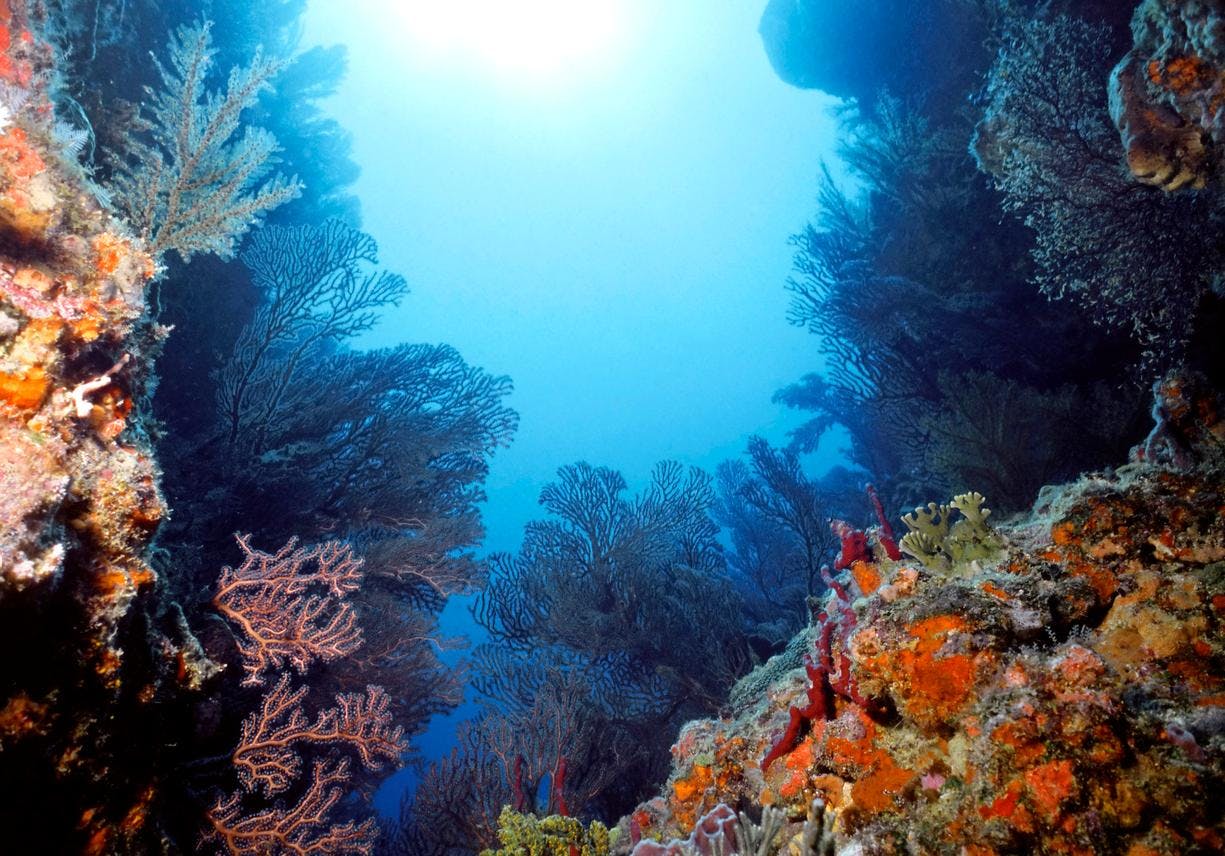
<point>267,600</point>
<point>267,756</point>
<point>272,598</point>
<point>456,807</point>
<point>1010,439</point>
<point>763,557</point>
<point>317,292</point>
<point>782,492</point>
<point>904,277</point>
<point>183,177</point>
<point>628,595</point>
<point>298,829</point>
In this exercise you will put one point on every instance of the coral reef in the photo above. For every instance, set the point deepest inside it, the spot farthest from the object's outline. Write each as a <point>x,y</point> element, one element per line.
<point>79,497</point>
<point>1062,691</point>
<point>1167,94</point>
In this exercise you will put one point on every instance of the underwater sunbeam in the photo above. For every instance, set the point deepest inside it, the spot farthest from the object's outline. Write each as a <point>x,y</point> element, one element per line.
<point>540,41</point>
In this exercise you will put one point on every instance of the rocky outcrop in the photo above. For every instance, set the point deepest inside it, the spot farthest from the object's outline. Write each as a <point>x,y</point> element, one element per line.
<point>1167,94</point>
<point>856,50</point>
<point>1058,689</point>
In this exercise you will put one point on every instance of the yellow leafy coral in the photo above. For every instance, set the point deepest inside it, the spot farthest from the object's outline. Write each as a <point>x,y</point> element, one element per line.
<point>942,545</point>
<point>556,835</point>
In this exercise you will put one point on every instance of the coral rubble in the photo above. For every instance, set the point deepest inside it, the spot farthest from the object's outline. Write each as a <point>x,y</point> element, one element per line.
<point>1061,692</point>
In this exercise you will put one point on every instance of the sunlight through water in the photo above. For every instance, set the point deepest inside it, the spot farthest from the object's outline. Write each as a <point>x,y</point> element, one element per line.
<point>540,43</point>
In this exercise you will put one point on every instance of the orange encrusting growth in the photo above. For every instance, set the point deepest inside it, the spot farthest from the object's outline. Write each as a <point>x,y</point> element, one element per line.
<point>987,736</point>
<point>72,289</point>
<point>25,391</point>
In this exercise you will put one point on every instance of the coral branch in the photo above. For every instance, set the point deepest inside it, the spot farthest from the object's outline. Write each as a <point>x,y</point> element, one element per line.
<point>266,757</point>
<point>822,685</point>
<point>266,596</point>
<point>854,544</point>
<point>820,703</point>
<point>887,539</point>
<point>299,830</point>
<point>184,176</point>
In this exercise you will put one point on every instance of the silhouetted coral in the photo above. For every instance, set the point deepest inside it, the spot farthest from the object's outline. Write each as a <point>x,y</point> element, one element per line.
<point>629,594</point>
<point>930,328</point>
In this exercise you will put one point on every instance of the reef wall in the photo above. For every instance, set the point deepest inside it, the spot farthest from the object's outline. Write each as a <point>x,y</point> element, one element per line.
<point>1054,684</point>
<point>85,667</point>
<point>1167,94</point>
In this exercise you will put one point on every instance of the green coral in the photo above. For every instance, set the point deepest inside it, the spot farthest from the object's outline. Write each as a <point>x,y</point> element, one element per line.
<point>943,545</point>
<point>555,835</point>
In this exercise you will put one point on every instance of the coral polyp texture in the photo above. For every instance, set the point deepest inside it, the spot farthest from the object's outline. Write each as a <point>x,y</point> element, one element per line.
<point>1167,95</point>
<point>1052,684</point>
<point>79,498</point>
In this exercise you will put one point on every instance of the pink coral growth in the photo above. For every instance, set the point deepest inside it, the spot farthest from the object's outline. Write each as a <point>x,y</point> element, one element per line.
<point>714,834</point>
<point>266,756</point>
<point>268,597</point>
<point>300,829</point>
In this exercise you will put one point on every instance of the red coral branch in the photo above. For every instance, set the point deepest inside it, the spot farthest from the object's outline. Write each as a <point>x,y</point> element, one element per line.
<point>516,783</point>
<point>266,757</point>
<point>822,685</point>
<point>559,787</point>
<point>299,830</point>
<point>267,597</point>
<point>887,538</point>
<point>820,705</point>
<point>854,544</point>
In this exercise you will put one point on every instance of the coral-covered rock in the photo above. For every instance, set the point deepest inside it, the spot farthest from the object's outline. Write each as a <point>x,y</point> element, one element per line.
<point>84,667</point>
<point>1189,427</point>
<point>1167,95</point>
<point>1063,693</point>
